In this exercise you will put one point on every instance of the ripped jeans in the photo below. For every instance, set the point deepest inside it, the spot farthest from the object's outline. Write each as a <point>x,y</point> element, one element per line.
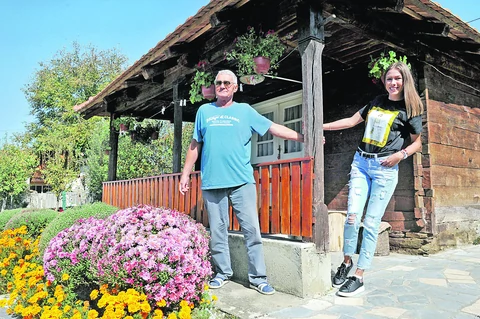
<point>368,179</point>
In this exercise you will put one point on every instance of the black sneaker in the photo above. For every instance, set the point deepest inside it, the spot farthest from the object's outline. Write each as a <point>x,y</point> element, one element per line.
<point>341,275</point>
<point>353,286</point>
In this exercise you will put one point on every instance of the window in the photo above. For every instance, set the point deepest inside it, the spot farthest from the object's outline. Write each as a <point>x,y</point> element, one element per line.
<point>265,142</point>
<point>285,110</point>
<point>292,119</point>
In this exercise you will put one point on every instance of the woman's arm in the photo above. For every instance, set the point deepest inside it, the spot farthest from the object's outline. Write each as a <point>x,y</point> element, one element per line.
<point>414,147</point>
<point>343,123</point>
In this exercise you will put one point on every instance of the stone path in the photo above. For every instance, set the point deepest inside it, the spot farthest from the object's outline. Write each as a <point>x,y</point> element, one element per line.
<point>444,285</point>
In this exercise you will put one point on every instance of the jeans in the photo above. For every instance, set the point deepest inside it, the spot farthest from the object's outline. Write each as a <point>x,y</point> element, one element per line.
<point>368,179</point>
<point>244,203</point>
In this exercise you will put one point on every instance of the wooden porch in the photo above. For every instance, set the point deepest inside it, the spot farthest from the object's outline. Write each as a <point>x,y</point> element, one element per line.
<point>284,188</point>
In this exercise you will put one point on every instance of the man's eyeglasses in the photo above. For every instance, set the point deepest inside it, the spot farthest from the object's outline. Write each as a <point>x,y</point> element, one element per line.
<point>226,83</point>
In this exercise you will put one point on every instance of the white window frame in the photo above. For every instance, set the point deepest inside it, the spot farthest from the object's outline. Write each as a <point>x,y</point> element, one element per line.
<point>277,106</point>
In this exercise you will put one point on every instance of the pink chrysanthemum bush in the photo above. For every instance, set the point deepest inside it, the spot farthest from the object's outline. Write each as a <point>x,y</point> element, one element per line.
<point>70,253</point>
<point>161,252</point>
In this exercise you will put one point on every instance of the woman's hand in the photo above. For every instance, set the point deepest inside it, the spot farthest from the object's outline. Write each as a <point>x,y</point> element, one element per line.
<point>392,160</point>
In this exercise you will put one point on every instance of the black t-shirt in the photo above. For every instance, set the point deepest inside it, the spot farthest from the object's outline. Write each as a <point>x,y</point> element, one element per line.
<point>387,125</point>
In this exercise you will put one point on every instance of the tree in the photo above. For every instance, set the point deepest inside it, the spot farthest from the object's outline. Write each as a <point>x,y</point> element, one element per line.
<point>59,134</point>
<point>17,164</point>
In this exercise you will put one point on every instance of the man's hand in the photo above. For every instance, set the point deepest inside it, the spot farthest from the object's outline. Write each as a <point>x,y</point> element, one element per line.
<point>184,184</point>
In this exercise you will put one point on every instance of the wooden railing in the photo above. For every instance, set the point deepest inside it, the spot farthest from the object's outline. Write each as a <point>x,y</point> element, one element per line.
<point>284,196</point>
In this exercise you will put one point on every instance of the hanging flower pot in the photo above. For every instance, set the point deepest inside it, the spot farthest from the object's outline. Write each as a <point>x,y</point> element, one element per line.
<point>107,152</point>
<point>208,92</point>
<point>123,127</point>
<point>262,64</point>
<point>252,79</point>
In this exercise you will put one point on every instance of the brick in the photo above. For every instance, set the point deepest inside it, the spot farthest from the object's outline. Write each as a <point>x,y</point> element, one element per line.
<point>421,223</point>
<point>426,181</point>
<point>417,170</point>
<point>425,161</point>
<point>393,216</point>
<point>420,192</point>
<point>418,183</point>
<point>417,159</point>
<point>428,201</point>
<point>419,212</point>
<point>419,202</point>
<point>397,225</point>
<point>429,193</point>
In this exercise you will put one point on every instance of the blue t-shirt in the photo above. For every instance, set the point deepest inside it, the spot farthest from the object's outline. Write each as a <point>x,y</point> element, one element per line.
<point>226,134</point>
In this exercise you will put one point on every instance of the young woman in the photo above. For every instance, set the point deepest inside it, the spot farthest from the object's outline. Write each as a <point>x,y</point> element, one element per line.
<point>390,119</point>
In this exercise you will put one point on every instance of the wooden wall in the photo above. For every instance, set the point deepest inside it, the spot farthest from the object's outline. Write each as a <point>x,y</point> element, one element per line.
<point>454,162</point>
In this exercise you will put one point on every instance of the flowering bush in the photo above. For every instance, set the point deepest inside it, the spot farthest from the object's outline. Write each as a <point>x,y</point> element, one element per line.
<point>203,77</point>
<point>69,253</point>
<point>161,252</point>
<point>379,65</point>
<point>15,246</point>
<point>68,218</point>
<point>251,45</point>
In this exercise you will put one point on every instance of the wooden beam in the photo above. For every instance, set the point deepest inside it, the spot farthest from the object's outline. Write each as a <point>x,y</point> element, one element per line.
<point>177,130</point>
<point>151,71</point>
<point>437,15</point>
<point>113,156</point>
<point>311,35</point>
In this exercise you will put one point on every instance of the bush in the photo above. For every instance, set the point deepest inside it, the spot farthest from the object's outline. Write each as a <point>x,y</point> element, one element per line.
<point>66,219</point>
<point>158,251</point>
<point>69,253</point>
<point>6,215</point>
<point>35,220</point>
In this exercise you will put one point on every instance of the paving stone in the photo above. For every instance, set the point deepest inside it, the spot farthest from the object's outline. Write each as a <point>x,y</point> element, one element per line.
<point>349,301</point>
<point>462,281</point>
<point>473,309</point>
<point>450,271</point>
<point>401,268</point>
<point>388,312</point>
<point>434,282</point>
<point>381,301</point>
<point>317,305</point>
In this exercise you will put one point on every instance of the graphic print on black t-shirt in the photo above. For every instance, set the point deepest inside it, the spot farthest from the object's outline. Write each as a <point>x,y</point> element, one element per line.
<point>387,125</point>
<point>378,126</point>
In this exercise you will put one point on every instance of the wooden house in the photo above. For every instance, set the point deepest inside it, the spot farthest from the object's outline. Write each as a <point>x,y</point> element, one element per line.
<point>323,76</point>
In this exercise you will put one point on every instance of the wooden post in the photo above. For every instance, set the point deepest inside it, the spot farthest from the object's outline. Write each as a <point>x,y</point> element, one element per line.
<point>311,38</point>
<point>177,131</point>
<point>113,156</point>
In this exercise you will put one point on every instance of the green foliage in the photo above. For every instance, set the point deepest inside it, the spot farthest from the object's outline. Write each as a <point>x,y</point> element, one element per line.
<point>59,173</point>
<point>251,45</point>
<point>17,164</point>
<point>134,159</point>
<point>59,134</point>
<point>67,218</point>
<point>96,160</point>
<point>203,77</point>
<point>34,219</point>
<point>476,241</point>
<point>6,215</point>
<point>379,65</point>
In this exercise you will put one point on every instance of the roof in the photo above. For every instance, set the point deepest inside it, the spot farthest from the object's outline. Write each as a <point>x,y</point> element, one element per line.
<point>357,32</point>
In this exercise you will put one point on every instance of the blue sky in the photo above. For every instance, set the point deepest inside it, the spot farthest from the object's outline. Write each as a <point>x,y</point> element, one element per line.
<point>32,31</point>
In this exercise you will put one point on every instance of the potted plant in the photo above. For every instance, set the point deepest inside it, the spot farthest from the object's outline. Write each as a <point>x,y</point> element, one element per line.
<point>256,54</point>
<point>202,85</point>
<point>379,65</point>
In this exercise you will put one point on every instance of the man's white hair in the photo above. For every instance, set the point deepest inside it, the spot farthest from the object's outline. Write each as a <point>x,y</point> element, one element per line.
<point>228,72</point>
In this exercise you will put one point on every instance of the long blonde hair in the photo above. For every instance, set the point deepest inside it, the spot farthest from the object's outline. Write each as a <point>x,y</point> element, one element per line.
<point>413,102</point>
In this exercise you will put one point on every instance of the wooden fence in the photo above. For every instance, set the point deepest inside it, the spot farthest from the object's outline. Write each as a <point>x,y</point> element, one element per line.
<point>284,191</point>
